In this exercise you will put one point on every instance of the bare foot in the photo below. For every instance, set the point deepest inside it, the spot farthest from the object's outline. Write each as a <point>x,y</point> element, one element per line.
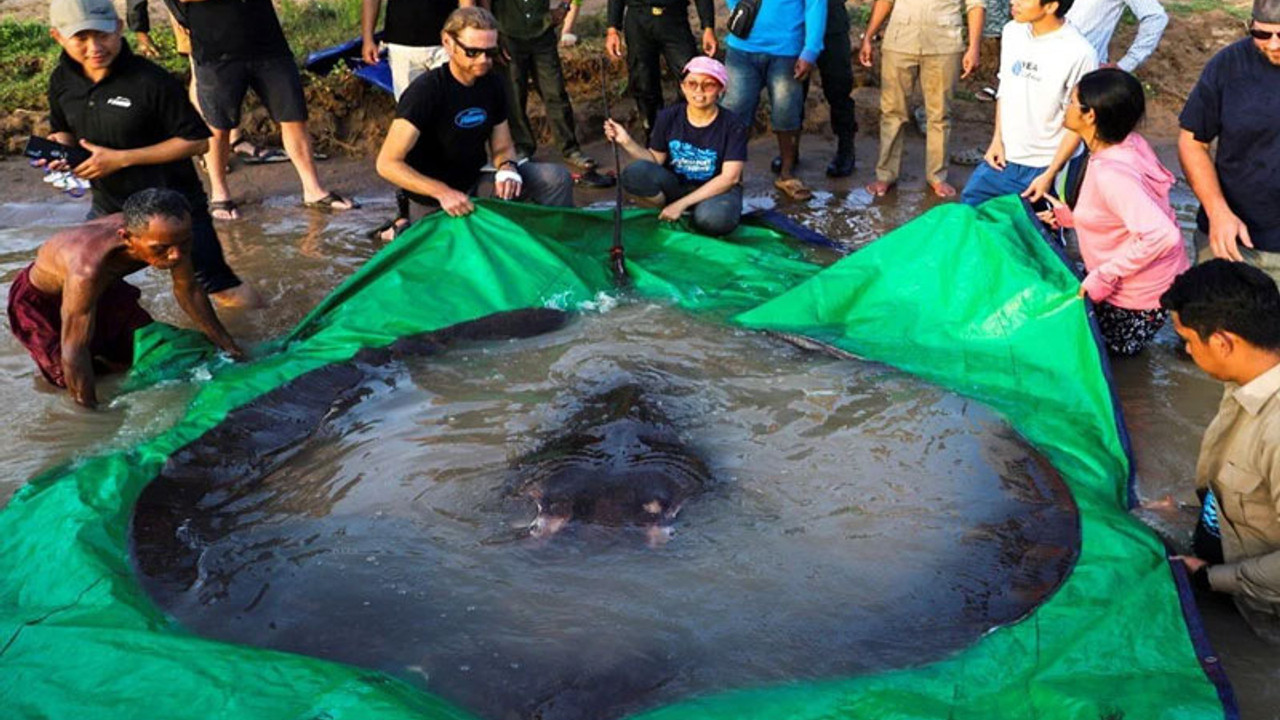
<point>879,188</point>
<point>942,189</point>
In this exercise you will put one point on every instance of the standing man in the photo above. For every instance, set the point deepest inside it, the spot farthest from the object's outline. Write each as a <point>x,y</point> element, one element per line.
<point>1042,57</point>
<point>1097,19</point>
<point>235,45</point>
<point>1227,314</point>
<point>656,29</point>
<point>435,148</point>
<point>135,119</point>
<point>411,32</point>
<point>776,56</point>
<point>74,313</point>
<point>1237,103</point>
<point>925,41</point>
<point>529,33</point>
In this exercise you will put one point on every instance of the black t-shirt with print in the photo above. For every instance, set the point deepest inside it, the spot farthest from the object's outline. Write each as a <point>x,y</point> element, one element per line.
<point>697,154</point>
<point>454,122</point>
<point>136,105</point>
<point>416,23</point>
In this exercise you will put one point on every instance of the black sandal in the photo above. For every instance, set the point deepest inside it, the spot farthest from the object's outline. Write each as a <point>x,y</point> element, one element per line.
<point>396,225</point>
<point>227,206</point>
<point>327,203</point>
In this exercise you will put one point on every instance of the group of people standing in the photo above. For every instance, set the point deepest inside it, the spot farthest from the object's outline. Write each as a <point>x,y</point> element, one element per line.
<point>1059,117</point>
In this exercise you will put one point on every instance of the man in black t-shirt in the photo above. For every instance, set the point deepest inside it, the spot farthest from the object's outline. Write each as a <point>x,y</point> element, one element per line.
<point>236,45</point>
<point>1237,102</point>
<point>135,119</point>
<point>411,33</point>
<point>435,148</point>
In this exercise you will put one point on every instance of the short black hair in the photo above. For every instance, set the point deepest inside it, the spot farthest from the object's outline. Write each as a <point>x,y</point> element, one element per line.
<point>1116,99</point>
<point>143,205</point>
<point>1063,6</point>
<point>1221,295</point>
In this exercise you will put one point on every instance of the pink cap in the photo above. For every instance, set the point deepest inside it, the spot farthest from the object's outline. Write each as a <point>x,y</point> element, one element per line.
<point>703,65</point>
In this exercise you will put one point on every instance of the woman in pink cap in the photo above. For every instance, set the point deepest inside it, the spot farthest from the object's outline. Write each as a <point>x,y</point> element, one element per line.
<point>695,157</point>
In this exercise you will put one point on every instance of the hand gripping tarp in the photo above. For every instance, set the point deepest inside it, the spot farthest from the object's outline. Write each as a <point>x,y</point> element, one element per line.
<point>973,300</point>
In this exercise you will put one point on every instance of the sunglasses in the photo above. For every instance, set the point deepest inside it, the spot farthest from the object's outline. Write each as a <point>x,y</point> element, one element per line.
<point>706,86</point>
<point>472,52</point>
<point>1263,35</point>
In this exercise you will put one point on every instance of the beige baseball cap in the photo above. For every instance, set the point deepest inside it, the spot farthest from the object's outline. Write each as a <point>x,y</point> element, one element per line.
<point>69,17</point>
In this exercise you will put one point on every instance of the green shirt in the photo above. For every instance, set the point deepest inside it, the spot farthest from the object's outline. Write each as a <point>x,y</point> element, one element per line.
<point>523,18</point>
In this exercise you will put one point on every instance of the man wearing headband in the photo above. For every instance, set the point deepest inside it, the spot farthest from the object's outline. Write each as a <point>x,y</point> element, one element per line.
<point>1237,103</point>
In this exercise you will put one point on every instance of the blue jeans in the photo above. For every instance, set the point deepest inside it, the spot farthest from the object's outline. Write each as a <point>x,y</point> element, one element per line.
<point>987,182</point>
<point>715,216</point>
<point>749,73</point>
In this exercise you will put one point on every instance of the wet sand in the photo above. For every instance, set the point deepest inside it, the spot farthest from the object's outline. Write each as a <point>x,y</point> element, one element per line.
<point>296,257</point>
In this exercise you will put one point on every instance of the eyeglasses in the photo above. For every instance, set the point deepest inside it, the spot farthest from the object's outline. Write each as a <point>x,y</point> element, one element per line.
<point>706,86</point>
<point>1263,35</point>
<point>490,52</point>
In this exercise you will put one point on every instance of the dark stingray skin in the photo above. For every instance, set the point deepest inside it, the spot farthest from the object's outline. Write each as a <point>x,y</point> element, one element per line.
<point>618,463</point>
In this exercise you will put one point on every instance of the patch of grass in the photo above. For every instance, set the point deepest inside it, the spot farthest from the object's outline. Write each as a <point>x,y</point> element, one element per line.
<point>27,56</point>
<point>1191,7</point>
<point>310,26</point>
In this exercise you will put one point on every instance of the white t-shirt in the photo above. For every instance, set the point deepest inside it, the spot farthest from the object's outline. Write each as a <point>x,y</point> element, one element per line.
<point>1037,74</point>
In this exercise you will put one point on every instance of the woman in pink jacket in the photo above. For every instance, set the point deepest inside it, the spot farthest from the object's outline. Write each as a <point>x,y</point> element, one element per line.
<point>1129,236</point>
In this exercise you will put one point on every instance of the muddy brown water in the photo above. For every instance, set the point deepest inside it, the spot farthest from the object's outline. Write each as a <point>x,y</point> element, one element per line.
<point>384,544</point>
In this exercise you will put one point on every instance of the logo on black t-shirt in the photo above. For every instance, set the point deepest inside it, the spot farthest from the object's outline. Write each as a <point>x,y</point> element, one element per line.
<point>471,117</point>
<point>120,101</point>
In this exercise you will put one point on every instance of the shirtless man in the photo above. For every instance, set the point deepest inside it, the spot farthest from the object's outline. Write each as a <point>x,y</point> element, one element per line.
<point>74,312</point>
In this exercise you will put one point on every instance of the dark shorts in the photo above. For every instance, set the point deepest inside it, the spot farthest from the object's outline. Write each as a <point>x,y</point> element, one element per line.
<point>36,320</point>
<point>221,85</point>
<point>212,271</point>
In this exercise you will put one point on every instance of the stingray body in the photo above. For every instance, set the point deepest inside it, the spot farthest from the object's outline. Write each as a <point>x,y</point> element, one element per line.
<point>617,463</point>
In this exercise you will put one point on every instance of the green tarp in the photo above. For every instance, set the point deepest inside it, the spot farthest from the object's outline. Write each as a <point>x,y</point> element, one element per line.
<point>974,301</point>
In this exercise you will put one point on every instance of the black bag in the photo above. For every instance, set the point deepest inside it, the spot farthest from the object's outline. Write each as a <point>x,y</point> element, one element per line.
<point>743,17</point>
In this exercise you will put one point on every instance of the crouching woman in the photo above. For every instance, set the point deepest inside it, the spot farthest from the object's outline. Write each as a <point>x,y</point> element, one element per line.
<point>695,157</point>
<point>1128,233</point>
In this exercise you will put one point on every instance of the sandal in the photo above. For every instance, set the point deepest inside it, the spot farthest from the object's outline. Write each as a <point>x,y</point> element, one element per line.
<point>255,155</point>
<point>228,209</point>
<point>794,188</point>
<point>331,203</point>
<point>395,225</point>
<point>969,157</point>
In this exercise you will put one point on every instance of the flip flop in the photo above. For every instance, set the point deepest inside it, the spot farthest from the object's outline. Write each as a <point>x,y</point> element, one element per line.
<point>327,203</point>
<point>793,188</point>
<point>262,156</point>
<point>227,206</point>
<point>394,225</point>
<point>595,179</point>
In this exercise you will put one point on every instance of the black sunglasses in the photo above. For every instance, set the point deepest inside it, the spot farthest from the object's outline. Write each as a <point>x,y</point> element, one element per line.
<point>490,52</point>
<point>1263,35</point>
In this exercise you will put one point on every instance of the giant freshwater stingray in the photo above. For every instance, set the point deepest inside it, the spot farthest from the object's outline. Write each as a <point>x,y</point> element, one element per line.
<point>618,462</point>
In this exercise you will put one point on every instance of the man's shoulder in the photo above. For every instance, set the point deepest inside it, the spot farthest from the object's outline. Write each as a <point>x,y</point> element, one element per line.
<point>1074,43</point>
<point>1231,60</point>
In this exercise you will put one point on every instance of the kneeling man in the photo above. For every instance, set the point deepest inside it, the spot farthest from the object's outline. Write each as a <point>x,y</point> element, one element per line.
<point>1227,314</point>
<point>74,312</point>
<point>435,149</point>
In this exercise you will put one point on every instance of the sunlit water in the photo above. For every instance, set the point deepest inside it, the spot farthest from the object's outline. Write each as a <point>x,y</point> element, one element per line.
<point>392,538</point>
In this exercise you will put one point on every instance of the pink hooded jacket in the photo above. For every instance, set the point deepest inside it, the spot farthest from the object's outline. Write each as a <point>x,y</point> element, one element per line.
<point>1129,235</point>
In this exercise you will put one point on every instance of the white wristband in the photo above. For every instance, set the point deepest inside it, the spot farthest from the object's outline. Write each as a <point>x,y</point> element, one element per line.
<point>505,175</point>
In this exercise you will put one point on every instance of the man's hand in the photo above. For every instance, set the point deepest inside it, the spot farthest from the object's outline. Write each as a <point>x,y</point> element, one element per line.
<point>1191,562</point>
<point>672,212</point>
<point>1224,230</point>
<point>456,204</point>
<point>802,68</point>
<point>103,161</point>
<point>146,48</point>
<point>709,43</point>
<point>507,184</point>
<point>970,61</point>
<point>613,43</point>
<point>369,51</point>
<point>995,154</point>
<point>1039,187</point>
<point>615,133</point>
<point>866,53</point>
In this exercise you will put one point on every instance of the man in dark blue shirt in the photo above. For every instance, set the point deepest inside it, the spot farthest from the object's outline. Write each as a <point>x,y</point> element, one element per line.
<point>1237,103</point>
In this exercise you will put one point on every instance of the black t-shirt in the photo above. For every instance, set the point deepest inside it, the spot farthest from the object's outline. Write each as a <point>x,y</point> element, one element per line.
<point>1237,101</point>
<point>234,30</point>
<point>455,121</point>
<point>136,105</point>
<point>697,154</point>
<point>416,23</point>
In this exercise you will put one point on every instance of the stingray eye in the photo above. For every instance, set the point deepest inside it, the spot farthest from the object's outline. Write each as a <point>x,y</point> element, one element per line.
<point>653,507</point>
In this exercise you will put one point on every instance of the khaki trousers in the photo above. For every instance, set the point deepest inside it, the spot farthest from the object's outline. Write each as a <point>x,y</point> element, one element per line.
<point>1267,262</point>
<point>938,75</point>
